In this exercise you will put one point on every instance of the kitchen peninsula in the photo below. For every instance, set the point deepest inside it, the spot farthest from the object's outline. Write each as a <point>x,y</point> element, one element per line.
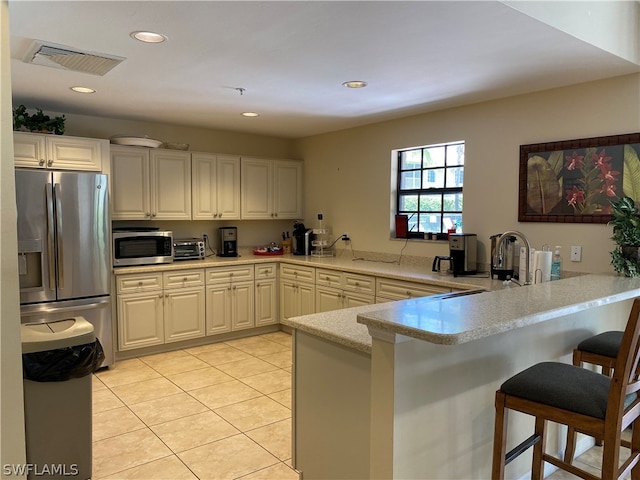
<point>406,390</point>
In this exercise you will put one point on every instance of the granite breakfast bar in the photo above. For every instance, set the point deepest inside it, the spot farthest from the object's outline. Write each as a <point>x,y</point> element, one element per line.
<point>405,389</point>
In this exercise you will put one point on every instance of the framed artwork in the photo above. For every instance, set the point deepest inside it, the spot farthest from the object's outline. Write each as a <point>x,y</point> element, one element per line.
<point>575,181</point>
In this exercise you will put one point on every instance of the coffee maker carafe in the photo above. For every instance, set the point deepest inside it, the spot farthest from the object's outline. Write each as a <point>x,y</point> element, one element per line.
<point>228,242</point>
<point>463,252</point>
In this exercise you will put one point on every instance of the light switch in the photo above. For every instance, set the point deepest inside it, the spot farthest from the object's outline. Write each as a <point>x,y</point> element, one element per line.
<point>576,253</point>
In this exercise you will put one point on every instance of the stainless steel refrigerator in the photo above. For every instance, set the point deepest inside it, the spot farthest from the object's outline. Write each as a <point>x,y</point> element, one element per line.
<point>64,252</point>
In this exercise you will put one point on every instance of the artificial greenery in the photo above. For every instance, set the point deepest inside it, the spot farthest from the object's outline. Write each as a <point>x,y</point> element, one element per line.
<point>626,235</point>
<point>38,122</point>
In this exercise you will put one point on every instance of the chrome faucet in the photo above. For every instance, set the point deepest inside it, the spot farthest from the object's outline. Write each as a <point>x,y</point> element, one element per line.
<point>513,233</point>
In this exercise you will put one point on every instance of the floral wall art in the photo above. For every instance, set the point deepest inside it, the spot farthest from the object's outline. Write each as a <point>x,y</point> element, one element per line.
<point>576,180</point>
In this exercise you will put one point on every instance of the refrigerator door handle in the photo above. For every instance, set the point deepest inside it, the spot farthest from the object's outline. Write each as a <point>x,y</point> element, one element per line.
<point>58,196</point>
<point>50,238</point>
<point>38,310</point>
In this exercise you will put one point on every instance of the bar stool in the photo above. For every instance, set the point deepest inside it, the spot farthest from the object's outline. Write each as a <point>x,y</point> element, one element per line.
<point>586,401</point>
<point>602,350</point>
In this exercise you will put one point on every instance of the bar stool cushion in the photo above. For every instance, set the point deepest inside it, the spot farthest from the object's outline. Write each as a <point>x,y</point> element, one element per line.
<point>606,344</point>
<point>562,386</point>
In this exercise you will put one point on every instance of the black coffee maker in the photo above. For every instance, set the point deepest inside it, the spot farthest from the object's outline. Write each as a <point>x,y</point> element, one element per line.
<point>301,244</point>
<point>463,253</point>
<point>228,242</point>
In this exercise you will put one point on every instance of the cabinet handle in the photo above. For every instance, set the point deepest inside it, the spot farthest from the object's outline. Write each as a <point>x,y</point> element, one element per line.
<point>49,163</point>
<point>184,279</point>
<point>41,162</point>
<point>140,283</point>
<point>153,215</point>
<point>357,284</point>
<point>408,294</point>
<point>275,214</point>
<point>148,214</point>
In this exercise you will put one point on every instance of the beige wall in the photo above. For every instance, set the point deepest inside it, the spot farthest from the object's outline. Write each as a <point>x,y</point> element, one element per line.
<point>348,172</point>
<point>12,449</point>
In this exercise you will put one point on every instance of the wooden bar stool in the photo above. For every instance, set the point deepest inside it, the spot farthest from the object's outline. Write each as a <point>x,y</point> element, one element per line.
<point>602,350</point>
<point>586,401</point>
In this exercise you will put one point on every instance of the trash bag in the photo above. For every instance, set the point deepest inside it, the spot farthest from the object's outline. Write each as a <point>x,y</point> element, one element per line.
<point>63,364</point>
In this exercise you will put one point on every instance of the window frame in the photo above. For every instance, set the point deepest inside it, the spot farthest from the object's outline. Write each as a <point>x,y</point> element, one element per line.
<point>447,167</point>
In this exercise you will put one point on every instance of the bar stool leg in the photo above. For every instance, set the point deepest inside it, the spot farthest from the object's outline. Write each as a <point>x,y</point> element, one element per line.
<point>537,469</point>
<point>499,438</point>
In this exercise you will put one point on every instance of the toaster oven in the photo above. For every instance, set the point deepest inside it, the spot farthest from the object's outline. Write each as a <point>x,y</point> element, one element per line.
<point>188,249</point>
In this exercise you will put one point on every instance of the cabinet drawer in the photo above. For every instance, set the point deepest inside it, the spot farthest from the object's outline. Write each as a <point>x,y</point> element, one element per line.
<point>331,278</point>
<point>295,272</point>
<point>359,283</point>
<point>265,270</point>
<point>231,274</point>
<point>142,282</point>
<point>183,278</point>
<point>399,289</point>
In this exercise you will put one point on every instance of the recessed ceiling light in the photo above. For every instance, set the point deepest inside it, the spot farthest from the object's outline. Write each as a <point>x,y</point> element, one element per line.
<point>250,114</point>
<point>355,84</point>
<point>148,37</point>
<point>83,90</point>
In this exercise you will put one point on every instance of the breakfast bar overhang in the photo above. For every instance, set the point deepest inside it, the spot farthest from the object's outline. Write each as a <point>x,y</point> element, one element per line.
<point>405,390</point>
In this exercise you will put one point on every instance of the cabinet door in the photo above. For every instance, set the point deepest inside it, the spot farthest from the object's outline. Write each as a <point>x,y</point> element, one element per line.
<point>170,185</point>
<point>203,186</point>
<point>242,306</point>
<point>306,299</point>
<point>140,320</point>
<point>328,299</point>
<point>29,150</point>
<point>355,300</point>
<point>184,314</point>
<point>266,302</point>
<point>73,153</point>
<point>130,189</point>
<point>256,191</point>
<point>287,189</point>
<point>289,304</point>
<point>218,309</point>
<point>228,187</point>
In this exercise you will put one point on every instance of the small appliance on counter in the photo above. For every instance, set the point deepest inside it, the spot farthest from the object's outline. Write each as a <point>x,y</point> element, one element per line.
<point>502,260</point>
<point>228,242</point>
<point>142,246</point>
<point>188,249</point>
<point>463,253</point>
<point>301,239</point>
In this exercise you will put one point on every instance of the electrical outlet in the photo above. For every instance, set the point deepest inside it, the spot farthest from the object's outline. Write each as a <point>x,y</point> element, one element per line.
<point>576,253</point>
<point>205,236</point>
<point>345,237</point>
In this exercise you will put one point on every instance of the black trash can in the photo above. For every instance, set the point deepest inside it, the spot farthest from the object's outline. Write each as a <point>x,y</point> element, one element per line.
<point>58,358</point>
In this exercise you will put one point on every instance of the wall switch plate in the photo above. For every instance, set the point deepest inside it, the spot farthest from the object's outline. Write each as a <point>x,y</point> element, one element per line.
<point>576,253</point>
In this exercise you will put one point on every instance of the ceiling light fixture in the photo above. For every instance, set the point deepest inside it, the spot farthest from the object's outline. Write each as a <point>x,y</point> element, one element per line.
<point>82,89</point>
<point>354,84</point>
<point>250,114</point>
<point>148,37</point>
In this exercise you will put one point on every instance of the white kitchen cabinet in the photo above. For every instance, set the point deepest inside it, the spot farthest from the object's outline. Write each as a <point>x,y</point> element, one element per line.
<point>58,152</point>
<point>271,189</point>
<point>229,299</point>
<point>158,308</point>
<point>184,305</point>
<point>215,186</point>
<point>140,311</point>
<point>388,289</point>
<point>297,290</point>
<point>336,289</point>
<point>150,184</point>
<point>266,294</point>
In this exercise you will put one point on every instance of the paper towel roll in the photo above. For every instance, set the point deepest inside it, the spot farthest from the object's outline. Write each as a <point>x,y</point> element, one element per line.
<point>542,266</point>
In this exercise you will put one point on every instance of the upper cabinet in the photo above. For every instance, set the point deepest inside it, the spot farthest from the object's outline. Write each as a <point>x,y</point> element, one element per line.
<point>57,152</point>
<point>215,186</point>
<point>150,184</point>
<point>271,189</point>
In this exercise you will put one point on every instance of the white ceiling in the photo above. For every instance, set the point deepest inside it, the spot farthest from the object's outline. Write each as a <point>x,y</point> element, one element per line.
<point>292,57</point>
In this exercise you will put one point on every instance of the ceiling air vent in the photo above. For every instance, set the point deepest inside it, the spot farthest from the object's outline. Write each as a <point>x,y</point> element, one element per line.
<point>69,58</point>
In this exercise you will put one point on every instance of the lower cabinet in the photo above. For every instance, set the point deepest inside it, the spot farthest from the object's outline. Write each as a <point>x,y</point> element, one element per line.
<point>266,294</point>
<point>336,290</point>
<point>389,290</point>
<point>297,290</point>
<point>159,308</point>
<point>229,299</point>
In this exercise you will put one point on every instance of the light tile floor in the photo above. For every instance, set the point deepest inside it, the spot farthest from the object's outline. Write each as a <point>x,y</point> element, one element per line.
<point>219,411</point>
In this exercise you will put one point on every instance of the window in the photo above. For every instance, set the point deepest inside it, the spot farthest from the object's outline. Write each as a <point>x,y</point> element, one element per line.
<point>429,189</point>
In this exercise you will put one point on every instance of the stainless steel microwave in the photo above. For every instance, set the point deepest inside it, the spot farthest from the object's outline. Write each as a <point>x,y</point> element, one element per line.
<point>142,247</point>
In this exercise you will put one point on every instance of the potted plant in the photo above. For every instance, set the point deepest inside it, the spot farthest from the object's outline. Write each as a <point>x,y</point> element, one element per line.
<point>626,234</point>
<point>38,122</point>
